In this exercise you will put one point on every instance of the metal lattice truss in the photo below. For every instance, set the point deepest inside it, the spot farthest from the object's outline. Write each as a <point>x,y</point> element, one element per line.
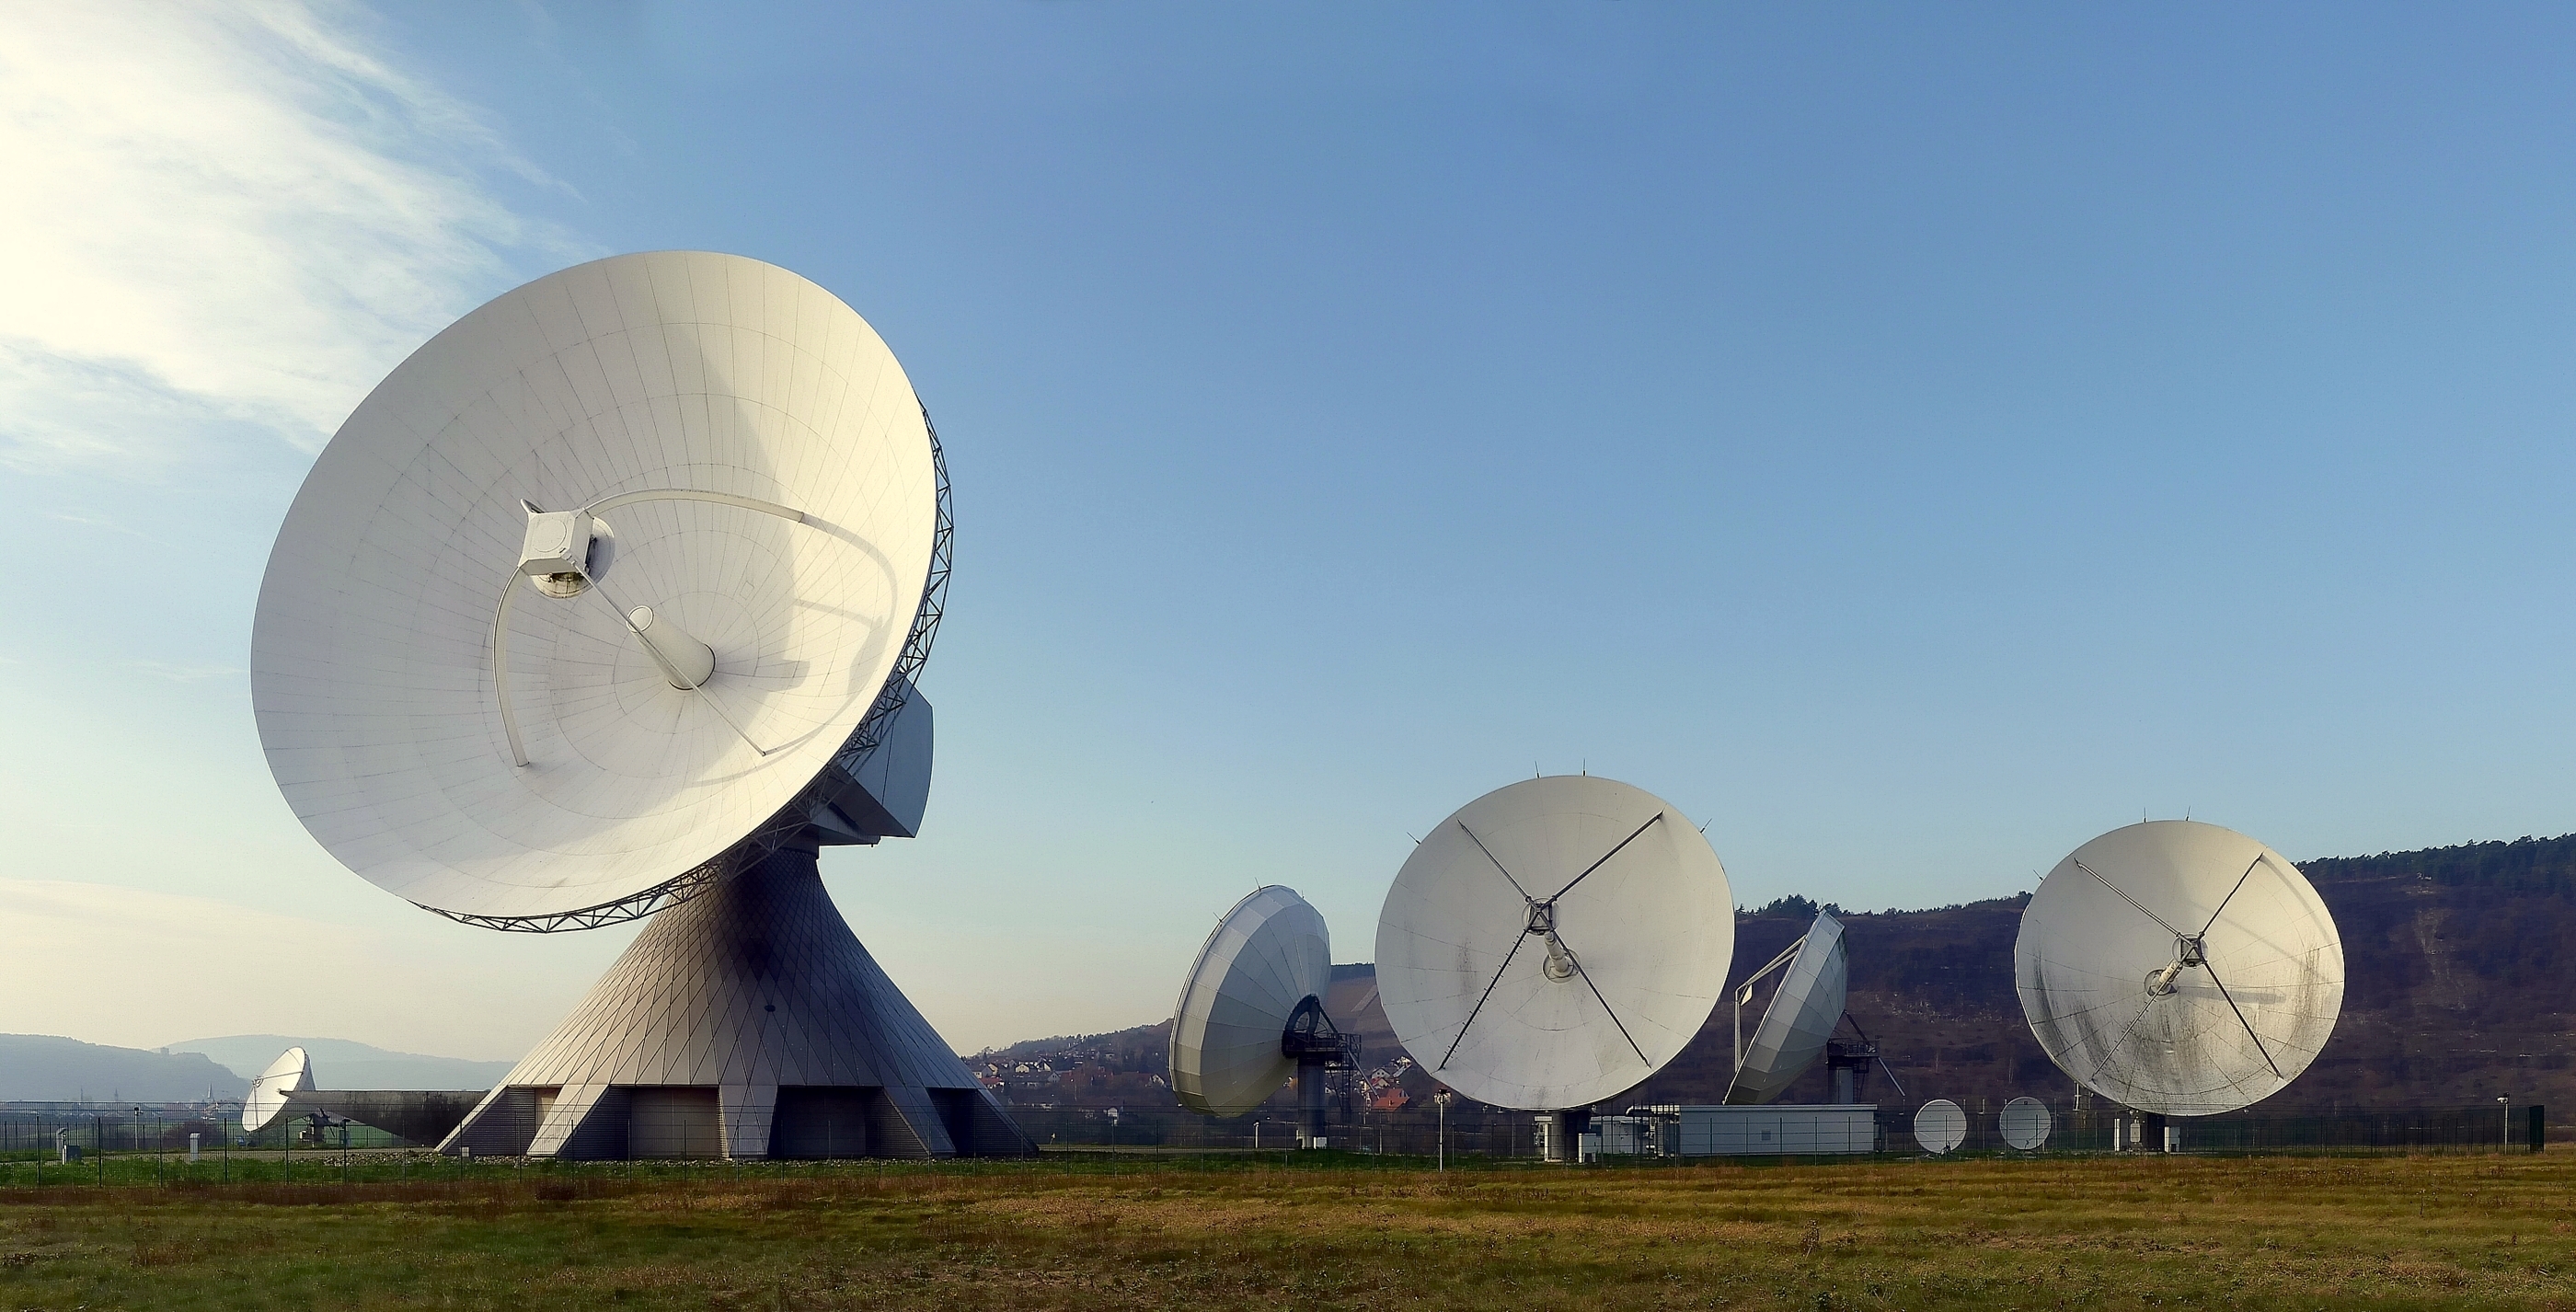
<point>792,818</point>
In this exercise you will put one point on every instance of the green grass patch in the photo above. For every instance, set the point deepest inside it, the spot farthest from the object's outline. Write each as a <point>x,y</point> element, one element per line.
<point>1117,1230</point>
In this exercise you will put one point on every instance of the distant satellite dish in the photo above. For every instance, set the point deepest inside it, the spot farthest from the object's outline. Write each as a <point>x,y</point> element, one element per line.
<point>1554,942</point>
<point>2179,968</point>
<point>292,1072</point>
<point>2025,1123</point>
<point>290,1089</point>
<point>1803,1013</point>
<point>1940,1127</point>
<point>1251,1012</point>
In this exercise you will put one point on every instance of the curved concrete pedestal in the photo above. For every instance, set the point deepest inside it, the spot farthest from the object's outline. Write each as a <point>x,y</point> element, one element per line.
<point>746,1022</point>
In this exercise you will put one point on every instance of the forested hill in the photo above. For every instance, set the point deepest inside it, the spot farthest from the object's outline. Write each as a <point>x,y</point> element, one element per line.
<point>2457,963</point>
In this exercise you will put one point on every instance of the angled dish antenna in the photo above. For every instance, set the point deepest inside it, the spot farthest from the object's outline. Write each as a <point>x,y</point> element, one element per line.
<point>292,1072</point>
<point>2179,968</point>
<point>1554,942</point>
<point>608,602</point>
<point>1251,1013</point>
<point>1801,1016</point>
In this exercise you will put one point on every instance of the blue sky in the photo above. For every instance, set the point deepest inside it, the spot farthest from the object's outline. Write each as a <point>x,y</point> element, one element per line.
<point>1910,439</point>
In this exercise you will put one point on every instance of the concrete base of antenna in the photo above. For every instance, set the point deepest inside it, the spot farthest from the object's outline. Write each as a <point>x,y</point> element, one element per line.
<point>746,1022</point>
<point>1567,1138</point>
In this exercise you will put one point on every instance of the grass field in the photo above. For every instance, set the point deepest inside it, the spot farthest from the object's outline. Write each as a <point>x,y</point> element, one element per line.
<point>1101,1232</point>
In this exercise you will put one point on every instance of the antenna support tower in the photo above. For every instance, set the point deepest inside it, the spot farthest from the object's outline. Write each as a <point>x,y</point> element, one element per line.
<point>1317,1047</point>
<point>1848,1063</point>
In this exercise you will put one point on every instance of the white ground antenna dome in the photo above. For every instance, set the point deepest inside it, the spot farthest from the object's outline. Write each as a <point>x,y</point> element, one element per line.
<point>2179,968</point>
<point>1800,1018</point>
<point>583,603</point>
<point>292,1072</point>
<point>1555,942</point>
<point>1940,1126</point>
<point>2025,1123</point>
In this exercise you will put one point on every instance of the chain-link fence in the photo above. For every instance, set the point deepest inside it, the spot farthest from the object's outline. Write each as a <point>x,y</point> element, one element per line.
<point>29,1130</point>
<point>2493,1127</point>
<point>1411,1131</point>
<point>1493,1132</point>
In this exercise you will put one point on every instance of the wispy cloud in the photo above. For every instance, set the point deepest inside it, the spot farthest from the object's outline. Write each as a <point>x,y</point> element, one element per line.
<point>104,524</point>
<point>177,673</point>
<point>223,221</point>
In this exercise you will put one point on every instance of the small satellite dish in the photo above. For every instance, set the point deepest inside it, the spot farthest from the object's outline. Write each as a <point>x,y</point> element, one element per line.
<point>1802,1015</point>
<point>1554,942</point>
<point>1251,1012</point>
<point>292,1072</point>
<point>1940,1127</point>
<point>2025,1123</point>
<point>608,602</point>
<point>2179,968</point>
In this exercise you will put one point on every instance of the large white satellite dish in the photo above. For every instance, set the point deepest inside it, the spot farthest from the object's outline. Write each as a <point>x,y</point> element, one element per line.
<point>609,601</point>
<point>1251,1012</point>
<point>2179,968</point>
<point>1800,1018</point>
<point>1554,942</point>
<point>292,1072</point>
<point>772,493</point>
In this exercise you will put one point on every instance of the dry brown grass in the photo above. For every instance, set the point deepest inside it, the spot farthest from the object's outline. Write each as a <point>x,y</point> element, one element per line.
<point>2439,1232</point>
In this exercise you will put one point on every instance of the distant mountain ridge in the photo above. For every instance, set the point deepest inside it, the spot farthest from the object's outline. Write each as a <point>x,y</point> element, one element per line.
<point>46,1068</point>
<point>49,1068</point>
<point>349,1064</point>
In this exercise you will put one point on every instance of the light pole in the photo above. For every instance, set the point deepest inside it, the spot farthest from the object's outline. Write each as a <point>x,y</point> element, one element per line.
<point>1441,1099</point>
<point>2505,1101</point>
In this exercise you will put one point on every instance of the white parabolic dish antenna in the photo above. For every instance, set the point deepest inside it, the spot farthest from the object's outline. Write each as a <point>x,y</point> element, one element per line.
<point>292,1072</point>
<point>608,603</point>
<point>2025,1123</point>
<point>1554,943</point>
<point>2179,968</point>
<point>1801,1017</point>
<point>1940,1126</point>
<point>594,588</point>
<point>1266,960</point>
